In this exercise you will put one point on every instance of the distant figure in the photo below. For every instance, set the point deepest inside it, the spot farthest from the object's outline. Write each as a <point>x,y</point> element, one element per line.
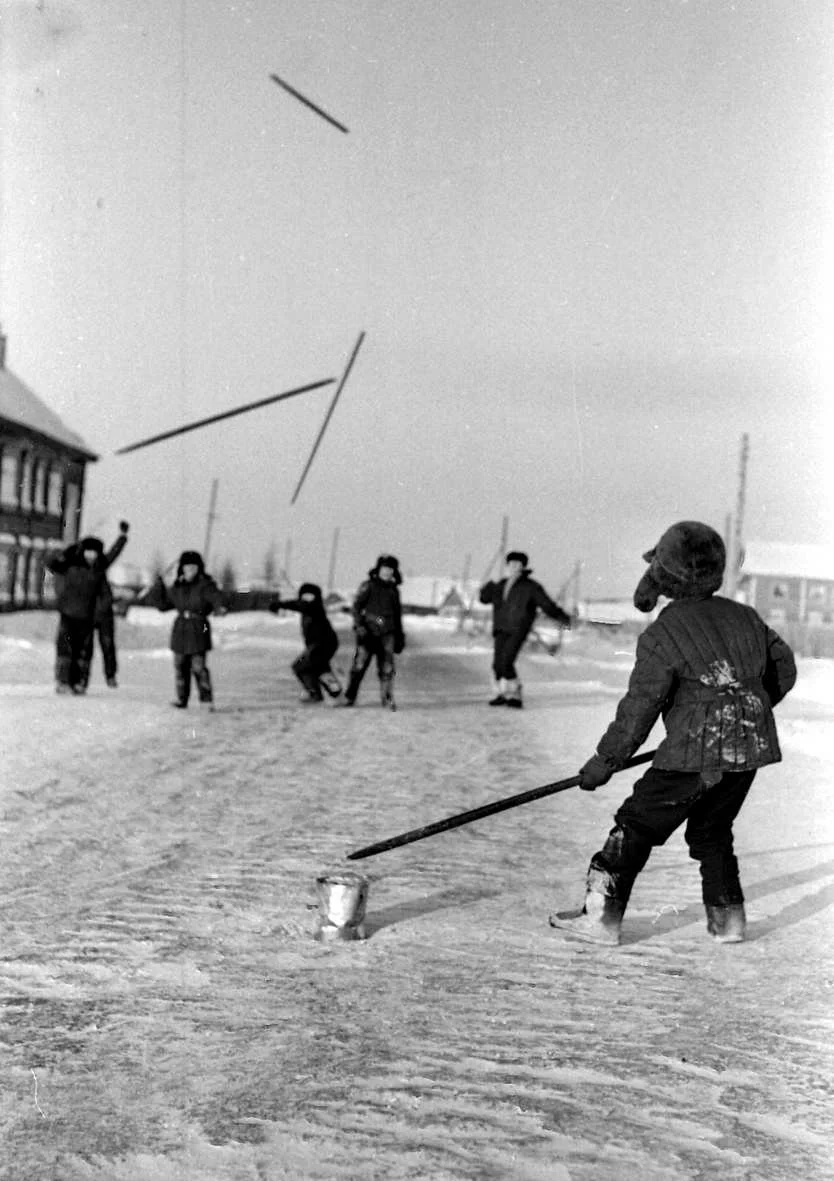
<point>104,619</point>
<point>194,595</point>
<point>515,601</point>
<point>377,621</point>
<point>81,573</point>
<point>312,667</point>
<point>713,670</point>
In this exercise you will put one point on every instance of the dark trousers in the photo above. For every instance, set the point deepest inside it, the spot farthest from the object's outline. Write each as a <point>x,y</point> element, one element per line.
<point>660,802</point>
<point>73,646</point>
<point>506,647</point>
<point>184,668</point>
<point>105,628</point>
<point>311,666</point>
<point>379,647</point>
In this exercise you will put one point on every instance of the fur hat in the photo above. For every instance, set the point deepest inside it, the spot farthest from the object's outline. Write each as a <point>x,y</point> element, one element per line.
<point>310,588</point>
<point>517,555</point>
<point>392,563</point>
<point>687,563</point>
<point>190,557</point>
<point>91,543</point>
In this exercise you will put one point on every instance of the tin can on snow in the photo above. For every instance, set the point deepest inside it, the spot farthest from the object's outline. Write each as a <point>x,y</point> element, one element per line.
<point>342,899</point>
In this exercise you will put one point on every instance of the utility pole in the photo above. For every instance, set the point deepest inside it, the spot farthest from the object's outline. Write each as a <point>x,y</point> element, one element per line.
<point>287,556</point>
<point>736,555</point>
<point>212,516</point>
<point>331,573</point>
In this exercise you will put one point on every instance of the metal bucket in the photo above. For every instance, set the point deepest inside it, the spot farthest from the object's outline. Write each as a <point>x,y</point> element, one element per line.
<point>342,899</point>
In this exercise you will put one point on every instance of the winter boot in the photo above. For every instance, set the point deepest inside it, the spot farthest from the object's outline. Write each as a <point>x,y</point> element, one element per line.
<point>386,694</point>
<point>599,919</point>
<point>354,681</point>
<point>500,697</point>
<point>726,924</point>
<point>514,700</point>
<point>330,683</point>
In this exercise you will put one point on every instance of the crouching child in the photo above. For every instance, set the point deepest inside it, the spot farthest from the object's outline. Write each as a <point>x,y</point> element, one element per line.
<point>194,595</point>
<point>312,667</point>
<point>714,670</point>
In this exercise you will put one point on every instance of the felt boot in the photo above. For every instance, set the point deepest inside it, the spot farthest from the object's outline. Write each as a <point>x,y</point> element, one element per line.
<point>726,924</point>
<point>600,918</point>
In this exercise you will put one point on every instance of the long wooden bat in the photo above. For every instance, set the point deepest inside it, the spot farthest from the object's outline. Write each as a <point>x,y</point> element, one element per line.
<point>524,797</point>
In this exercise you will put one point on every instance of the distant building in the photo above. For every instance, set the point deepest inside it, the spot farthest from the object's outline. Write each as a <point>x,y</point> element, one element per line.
<point>42,466</point>
<point>433,595</point>
<point>789,583</point>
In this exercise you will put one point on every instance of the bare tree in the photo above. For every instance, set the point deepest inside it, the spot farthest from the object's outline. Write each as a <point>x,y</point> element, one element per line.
<point>270,568</point>
<point>228,577</point>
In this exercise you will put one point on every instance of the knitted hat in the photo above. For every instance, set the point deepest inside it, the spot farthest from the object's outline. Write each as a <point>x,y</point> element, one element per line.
<point>517,555</point>
<point>309,588</point>
<point>91,543</point>
<point>190,557</point>
<point>687,563</point>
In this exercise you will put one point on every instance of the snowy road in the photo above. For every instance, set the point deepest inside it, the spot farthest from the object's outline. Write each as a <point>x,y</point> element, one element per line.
<point>166,1014</point>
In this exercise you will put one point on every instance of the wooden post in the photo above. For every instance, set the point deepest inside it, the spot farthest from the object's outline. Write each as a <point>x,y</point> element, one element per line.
<point>331,573</point>
<point>736,555</point>
<point>210,520</point>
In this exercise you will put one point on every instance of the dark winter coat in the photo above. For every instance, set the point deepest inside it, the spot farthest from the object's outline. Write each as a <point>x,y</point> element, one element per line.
<point>516,613</point>
<point>78,584</point>
<point>193,602</point>
<point>377,611</point>
<point>316,628</point>
<point>104,600</point>
<point>713,670</point>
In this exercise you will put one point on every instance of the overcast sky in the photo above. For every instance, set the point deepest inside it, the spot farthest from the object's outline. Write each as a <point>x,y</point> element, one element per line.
<point>589,242</point>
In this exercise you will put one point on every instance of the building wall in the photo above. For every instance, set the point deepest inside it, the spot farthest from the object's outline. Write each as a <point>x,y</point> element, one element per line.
<point>781,599</point>
<point>41,497</point>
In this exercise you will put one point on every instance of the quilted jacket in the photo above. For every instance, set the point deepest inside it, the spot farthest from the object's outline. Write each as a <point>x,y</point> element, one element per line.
<point>713,670</point>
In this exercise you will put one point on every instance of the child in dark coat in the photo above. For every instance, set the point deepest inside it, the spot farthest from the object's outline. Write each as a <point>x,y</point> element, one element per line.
<point>104,621</point>
<point>312,667</point>
<point>377,622</point>
<point>81,573</point>
<point>714,670</point>
<point>515,599</point>
<point>194,595</point>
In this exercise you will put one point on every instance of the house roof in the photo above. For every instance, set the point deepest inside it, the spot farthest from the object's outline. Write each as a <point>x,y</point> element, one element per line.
<point>789,561</point>
<point>19,405</point>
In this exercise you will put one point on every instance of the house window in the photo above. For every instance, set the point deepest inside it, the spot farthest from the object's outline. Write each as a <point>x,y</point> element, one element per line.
<point>8,478</point>
<point>40,478</point>
<point>21,572</point>
<point>25,480</point>
<point>816,596</point>
<point>779,592</point>
<point>6,573</point>
<point>35,580</point>
<point>55,492</point>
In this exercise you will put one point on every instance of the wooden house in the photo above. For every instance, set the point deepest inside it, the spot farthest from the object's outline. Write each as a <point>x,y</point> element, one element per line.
<point>42,467</point>
<point>791,584</point>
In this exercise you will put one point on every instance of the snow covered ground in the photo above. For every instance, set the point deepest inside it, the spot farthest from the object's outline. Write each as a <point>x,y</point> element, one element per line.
<point>167,1015</point>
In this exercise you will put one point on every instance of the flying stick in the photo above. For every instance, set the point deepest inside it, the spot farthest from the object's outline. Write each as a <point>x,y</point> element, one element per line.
<point>328,416</point>
<point>193,426</point>
<point>291,90</point>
